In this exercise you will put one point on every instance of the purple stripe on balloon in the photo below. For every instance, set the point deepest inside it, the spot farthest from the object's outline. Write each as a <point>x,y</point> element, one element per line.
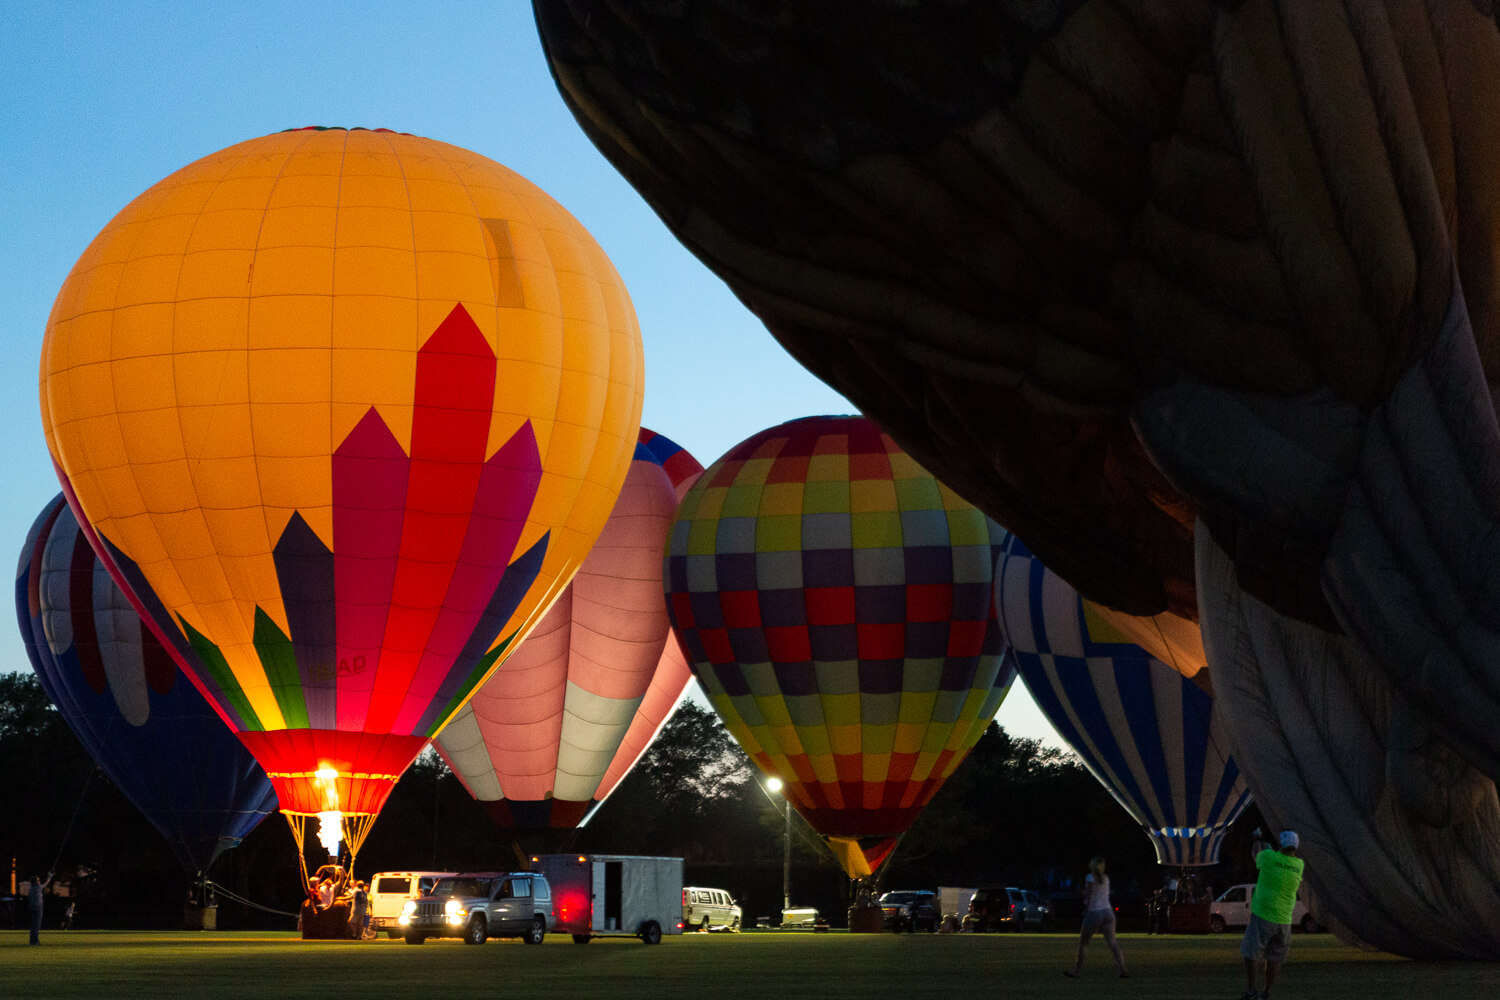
<point>834,642</point>
<point>796,678</point>
<point>927,640</point>
<point>735,570</point>
<point>706,611</point>
<point>783,608</point>
<point>973,602</point>
<point>731,678</point>
<point>880,676</point>
<point>828,568</point>
<point>959,673</point>
<point>304,570</point>
<point>929,564</point>
<point>674,569</point>
<point>880,605</point>
<point>749,645</point>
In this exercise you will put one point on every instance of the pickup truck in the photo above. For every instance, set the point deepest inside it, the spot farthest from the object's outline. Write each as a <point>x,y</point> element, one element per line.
<point>479,905</point>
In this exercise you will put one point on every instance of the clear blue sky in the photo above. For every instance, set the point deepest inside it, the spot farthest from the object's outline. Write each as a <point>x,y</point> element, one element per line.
<point>98,101</point>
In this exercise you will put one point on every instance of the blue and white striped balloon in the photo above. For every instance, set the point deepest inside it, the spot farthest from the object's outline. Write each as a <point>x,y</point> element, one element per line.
<point>1145,731</point>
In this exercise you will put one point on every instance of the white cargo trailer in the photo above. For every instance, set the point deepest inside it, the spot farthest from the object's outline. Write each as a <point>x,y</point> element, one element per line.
<point>614,895</point>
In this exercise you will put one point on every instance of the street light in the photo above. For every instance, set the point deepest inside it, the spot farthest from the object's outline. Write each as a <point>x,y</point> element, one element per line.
<point>774,785</point>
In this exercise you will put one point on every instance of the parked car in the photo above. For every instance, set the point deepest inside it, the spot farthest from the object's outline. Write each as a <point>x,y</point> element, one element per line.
<point>481,905</point>
<point>998,908</point>
<point>389,891</point>
<point>709,910</point>
<point>910,910</point>
<point>1232,909</point>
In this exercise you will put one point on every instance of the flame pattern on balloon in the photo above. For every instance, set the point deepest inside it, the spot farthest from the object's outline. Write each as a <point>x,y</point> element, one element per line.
<point>835,601</point>
<point>1146,732</point>
<point>551,733</point>
<point>123,696</point>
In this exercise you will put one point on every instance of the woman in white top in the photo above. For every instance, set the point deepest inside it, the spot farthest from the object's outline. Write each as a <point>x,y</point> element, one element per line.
<point>1098,915</point>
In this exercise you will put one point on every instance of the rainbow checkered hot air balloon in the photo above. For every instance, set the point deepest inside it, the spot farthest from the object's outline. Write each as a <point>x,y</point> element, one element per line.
<point>1148,733</point>
<point>835,602</point>
<point>547,738</point>
<point>343,410</point>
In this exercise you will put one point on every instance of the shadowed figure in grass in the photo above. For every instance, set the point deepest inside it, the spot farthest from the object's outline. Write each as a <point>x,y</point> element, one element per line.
<point>1098,917</point>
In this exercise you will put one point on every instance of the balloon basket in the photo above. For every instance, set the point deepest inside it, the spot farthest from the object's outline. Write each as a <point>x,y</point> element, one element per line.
<point>200,918</point>
<point>865,920</point>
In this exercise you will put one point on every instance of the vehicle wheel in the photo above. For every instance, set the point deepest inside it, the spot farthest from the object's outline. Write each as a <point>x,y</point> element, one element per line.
<point>734,926</point>
<point>582,938</point>
<point>413,938</point>
<point>536,932</point>
<point>1309,924</point>
<point>704,926</point>
<point>477,932</point>
<point>651,932</point>
<point>1216,924</point>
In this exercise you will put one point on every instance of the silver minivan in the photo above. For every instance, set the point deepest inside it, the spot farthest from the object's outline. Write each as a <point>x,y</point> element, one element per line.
<point>709,910</point>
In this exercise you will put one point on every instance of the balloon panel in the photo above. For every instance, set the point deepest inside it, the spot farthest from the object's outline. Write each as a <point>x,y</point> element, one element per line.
<point>1146,732</point>
<point>834,600</point>
<point>123,696</point>
<point>556,726</point>
<point>352,405</point>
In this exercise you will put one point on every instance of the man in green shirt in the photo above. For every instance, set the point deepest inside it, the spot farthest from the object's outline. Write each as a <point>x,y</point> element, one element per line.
<point>1268,937</point>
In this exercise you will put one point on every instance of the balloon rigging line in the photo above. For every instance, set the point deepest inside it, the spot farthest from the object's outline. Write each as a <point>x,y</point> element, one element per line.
<point>236,898</point>
<point>76,808</point>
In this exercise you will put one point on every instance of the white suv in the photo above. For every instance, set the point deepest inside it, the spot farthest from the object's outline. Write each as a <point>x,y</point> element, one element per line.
<point>390,890</point>
<point>709,910</point>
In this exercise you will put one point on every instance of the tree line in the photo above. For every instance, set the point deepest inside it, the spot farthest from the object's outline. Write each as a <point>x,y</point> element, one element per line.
<point>1015,812</point>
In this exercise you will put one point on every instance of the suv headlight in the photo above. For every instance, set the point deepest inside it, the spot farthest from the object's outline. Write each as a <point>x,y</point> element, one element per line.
<point>453,907</point>
<point>409,907</point>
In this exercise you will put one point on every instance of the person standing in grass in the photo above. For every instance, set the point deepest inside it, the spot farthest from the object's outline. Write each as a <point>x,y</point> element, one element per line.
<point>1268,936</point>
<point>35,903</point>
<point>1098,917</point>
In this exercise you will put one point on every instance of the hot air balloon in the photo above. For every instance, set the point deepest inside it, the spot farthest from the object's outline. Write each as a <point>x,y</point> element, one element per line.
<point>343,411</point>
<point>546,739</point>
<point>1160,290</point>
<point>120,692</point>
<point>834,601</point>
<point>1147,732</point>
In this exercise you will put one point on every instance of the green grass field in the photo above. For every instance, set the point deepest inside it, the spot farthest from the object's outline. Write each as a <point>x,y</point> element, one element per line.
<point>99,965</point>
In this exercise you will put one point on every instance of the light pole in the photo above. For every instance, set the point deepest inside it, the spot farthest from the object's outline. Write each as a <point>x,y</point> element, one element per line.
<point>773,785</point>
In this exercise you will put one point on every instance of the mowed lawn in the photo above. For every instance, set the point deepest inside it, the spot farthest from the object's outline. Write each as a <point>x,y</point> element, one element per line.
<point>766,965</point>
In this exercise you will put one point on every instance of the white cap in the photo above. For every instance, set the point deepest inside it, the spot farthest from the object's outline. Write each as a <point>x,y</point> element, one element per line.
<point>1288,838</point>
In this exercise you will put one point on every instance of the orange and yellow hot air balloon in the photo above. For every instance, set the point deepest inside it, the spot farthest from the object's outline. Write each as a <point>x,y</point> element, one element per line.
<point>352,405</point>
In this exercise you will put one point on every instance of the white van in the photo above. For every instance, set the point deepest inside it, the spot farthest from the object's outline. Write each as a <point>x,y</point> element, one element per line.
<point>1232,909</point>
<point>389,890</point>
<point>709,910</point>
